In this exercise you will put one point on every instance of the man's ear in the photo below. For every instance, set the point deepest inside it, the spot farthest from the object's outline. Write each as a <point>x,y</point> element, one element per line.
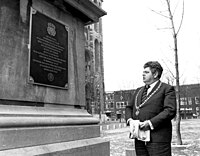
<point>155,75</point>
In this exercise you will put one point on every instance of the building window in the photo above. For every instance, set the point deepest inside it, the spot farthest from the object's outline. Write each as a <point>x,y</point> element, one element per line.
<point>123,105</point>
<point>111,96</point>
<point>106,97</point>
<point>189,100</point>
<point>197,100</point>
<point>111,105</point>
<point>183,101</point>
<point>107,106</point>
<point>118,105</point>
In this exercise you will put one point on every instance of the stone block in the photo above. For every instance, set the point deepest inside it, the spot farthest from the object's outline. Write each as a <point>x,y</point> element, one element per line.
<point>84,147</point>
<point>32,136</point>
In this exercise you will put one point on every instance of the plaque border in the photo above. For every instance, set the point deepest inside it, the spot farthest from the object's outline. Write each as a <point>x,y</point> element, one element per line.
<point>30,79</point>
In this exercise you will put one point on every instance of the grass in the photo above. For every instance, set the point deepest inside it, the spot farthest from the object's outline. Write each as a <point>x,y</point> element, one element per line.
<point>190,134</point>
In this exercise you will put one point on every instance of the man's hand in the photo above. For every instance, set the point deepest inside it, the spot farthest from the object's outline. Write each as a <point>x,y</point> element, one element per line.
<point>144,125</point>
<point>132,126</point>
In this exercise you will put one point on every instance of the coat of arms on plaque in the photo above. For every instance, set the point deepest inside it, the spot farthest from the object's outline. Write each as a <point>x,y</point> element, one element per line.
<point>51,29</point>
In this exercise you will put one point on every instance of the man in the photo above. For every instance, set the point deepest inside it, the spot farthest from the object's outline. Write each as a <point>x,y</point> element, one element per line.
<point>154,113</point>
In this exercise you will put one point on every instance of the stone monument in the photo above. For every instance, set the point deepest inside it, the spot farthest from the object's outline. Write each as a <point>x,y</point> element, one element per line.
<point>42,79</point>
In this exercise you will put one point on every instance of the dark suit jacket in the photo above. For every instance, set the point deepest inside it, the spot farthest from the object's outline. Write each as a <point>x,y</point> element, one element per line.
<point>160,109</point>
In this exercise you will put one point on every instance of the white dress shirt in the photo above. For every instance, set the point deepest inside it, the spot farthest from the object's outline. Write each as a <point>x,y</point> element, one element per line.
<point>151,87</point>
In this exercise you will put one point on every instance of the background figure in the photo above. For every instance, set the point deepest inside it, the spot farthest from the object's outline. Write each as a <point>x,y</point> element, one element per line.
<point>154,105</point>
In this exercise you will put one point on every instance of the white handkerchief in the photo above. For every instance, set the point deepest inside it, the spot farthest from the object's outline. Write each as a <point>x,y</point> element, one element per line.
<point>139,134</point>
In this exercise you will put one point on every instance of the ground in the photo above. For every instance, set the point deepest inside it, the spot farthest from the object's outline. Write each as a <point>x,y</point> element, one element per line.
<point>190,134</point>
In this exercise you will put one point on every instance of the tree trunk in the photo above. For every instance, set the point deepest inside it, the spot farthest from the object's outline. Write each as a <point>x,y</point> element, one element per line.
<point>178,118</point>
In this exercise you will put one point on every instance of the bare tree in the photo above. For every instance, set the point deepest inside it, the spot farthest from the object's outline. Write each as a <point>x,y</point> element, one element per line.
<point>175,32</point>
<point>175,35</point>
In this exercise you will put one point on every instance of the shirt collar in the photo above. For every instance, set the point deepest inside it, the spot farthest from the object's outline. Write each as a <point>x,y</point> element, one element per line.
<point>151,86</point>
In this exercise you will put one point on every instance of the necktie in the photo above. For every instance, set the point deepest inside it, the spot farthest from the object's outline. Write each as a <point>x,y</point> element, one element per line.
<point>144,94</point>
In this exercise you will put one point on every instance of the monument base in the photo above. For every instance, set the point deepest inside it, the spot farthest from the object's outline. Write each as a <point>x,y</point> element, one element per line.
<point>85,147</point>
<point>67,132</point>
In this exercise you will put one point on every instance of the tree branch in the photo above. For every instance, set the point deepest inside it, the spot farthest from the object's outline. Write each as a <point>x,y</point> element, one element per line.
<point>163,28</point>
<point>181,18</point>
<point>159,13</point>
<point>169,69</point>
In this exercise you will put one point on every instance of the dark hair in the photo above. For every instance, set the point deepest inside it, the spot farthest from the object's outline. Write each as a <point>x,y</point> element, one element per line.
<point>154,67</point>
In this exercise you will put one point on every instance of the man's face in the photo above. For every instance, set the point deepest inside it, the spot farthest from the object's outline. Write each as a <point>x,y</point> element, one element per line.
<point>148,77</point>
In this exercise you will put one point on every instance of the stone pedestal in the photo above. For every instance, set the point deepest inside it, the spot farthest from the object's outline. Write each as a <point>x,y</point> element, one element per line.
<point>42,82</point>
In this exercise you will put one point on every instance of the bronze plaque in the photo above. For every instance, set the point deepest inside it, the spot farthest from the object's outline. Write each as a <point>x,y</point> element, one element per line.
<point>48,62</point>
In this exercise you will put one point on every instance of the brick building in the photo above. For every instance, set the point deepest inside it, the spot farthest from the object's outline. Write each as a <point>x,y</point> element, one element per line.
<point>109,105</point>
<point>189,101</point>
<point>116,101</point>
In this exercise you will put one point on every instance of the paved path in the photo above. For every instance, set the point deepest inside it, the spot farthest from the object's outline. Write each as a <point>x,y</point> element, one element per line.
<point>119,140</point>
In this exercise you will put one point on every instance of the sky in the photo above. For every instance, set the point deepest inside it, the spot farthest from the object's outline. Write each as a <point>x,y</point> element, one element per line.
<point>134,34</point>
